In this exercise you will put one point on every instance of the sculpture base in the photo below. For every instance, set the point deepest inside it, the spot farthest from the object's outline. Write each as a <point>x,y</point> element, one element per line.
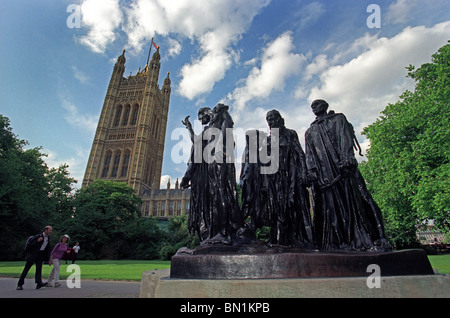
<point>261,262</point>
<point>158,284</point>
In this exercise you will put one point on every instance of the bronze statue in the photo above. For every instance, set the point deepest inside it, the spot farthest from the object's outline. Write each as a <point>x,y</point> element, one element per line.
<point>214,212</point>
<point>274,179</point>
<point>253,199</point>
<point>276,197</point>
<point>287,197</point>
<point>345,215</point>
<point>199,219</point>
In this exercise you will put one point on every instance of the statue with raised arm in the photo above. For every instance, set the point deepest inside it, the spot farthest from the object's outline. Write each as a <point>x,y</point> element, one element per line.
<point>214,212</point>
<point>199,219</point>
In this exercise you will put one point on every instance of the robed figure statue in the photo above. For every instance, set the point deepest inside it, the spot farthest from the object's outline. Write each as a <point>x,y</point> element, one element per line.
<point>251,181</point>
<point>228,225</point>
<point>214,210</point>
<point>199,218</point>
<point>345,215</point>
<point>284,198</point>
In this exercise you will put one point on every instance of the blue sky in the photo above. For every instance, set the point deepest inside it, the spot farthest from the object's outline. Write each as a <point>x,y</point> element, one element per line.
<point>253,55</point>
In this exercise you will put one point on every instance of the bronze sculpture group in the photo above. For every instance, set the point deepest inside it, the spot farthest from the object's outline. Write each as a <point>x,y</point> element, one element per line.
<point>276,179</point>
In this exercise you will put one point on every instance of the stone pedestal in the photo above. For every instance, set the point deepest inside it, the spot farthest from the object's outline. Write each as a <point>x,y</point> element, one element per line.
<point>281,262</point>
<point>278,272</point>
<point>158,284</point>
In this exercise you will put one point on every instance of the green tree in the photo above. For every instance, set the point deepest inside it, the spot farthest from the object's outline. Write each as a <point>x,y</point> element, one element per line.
<point>107,223</point>
<point>60,193</point>
<point>28,191</point>
<point>143,239</point>
<point>178,236</point>
<point>408,167</point>
<point>102,211</point>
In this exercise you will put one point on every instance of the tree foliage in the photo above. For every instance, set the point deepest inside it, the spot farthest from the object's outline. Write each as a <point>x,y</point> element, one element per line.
<point>408,167</point>
<point>178,236</point>
<point>104,216</point>
<point>31,194</point>
<point>107,221</point>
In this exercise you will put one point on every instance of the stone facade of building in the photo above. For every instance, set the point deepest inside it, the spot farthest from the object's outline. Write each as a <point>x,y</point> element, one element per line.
<point>165,203</point>
<point>129,141</point>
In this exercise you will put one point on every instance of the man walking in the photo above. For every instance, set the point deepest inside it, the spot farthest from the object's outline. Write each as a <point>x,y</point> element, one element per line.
<point>37,251</point>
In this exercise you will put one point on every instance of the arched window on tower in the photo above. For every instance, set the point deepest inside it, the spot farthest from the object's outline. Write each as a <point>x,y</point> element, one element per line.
<point>126,114</point>
<point>134,117</point>
<point>126,160</point>
<point>117,118</point>
<point>106,164</point>
<point>116,163</point>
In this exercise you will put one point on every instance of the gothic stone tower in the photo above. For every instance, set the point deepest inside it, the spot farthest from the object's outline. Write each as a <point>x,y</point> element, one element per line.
<point>129,141</point>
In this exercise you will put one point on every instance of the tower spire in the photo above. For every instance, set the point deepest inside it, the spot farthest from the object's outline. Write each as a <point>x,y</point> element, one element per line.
<point>149,51</point>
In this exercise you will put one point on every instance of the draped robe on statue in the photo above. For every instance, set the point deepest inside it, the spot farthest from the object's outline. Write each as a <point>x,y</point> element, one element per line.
<point>287,197</point>
<point>345,214</point>
<point>199,219</point>
<point>214,212</point>
<point>227,222</point>
<point>254,201</point>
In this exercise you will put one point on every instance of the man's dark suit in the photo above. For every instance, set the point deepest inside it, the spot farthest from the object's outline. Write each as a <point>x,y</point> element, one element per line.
<point>34,255</point>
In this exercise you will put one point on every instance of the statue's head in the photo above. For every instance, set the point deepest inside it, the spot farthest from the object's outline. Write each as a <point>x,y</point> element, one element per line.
<point>220,108</point>
<point>274,119</point>
<point>319,107</point>
<point>204,115</point>
<point>219,113</point>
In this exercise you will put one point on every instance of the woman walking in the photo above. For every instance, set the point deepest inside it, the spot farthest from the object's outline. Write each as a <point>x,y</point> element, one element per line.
<point>55,260</point>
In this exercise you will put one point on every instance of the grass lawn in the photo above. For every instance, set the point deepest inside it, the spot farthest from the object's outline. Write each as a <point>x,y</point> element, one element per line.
<point>132,270</point>
<point>108,270</point>
<point>441,263</point>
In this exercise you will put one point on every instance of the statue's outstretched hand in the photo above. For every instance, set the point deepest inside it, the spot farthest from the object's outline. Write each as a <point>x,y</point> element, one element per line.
<point>186,122</point>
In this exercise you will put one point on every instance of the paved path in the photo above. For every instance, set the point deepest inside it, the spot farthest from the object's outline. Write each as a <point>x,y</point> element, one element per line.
<point>89,289</point>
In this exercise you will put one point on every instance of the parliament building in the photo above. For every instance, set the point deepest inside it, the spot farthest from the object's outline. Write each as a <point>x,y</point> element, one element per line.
<point>129,141</point>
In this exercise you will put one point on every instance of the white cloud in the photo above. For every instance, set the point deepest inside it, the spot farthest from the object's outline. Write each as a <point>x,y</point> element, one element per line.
<point>363,87</point>
<point>101,17</point>
<point>74,118</point>
<point>318,65</point>
<point>408,11</point>
<point>200,76</point>
<point>278,62</point>
<point>251,62</point>
<point>164,180</point>
<point>230,20</point>
<point>77,162</point>
<point>399,11</point>
<point>376,77</point>
<point>359,46</point>
<point>174,47</point>
<point>167,178</point>
<point>309,14</point>
<point>215,25</point>
<point>79,75</point>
